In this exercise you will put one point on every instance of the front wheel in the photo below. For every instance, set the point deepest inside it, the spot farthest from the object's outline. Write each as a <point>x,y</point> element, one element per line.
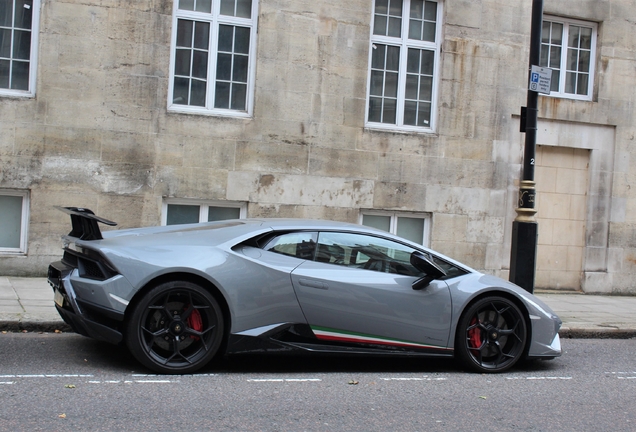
<point>177,327</point>
<point>491,335</point>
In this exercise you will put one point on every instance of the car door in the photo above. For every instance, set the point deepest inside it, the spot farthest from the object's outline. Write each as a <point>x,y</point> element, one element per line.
<point>358,290</point>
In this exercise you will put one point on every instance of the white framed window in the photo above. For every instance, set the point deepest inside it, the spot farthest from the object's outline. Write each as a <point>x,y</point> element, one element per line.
<point>183,211</point>
<point>14,221</point>
<point>411,226</point>
<point>212,57</point>
<point>403,65</point>
<point>568,47</point>
<point>19,29</point>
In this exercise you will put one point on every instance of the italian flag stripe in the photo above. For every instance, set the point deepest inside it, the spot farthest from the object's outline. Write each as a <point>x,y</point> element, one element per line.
<point>330,334</point>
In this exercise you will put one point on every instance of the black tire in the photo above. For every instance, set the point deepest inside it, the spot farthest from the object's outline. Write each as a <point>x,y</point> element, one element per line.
<point>176,328</point>
<point>491,335</point>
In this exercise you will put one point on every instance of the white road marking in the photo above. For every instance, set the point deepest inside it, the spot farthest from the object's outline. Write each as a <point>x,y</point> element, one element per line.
<point>539,378</point>
<point>7,382</point>
<point>414,379</point>
<point>284,380</point>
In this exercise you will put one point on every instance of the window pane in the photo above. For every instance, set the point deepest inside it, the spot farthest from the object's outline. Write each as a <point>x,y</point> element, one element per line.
<point>186,5</point>
<point>543,57</point>
<point>11,218</point>
<point>5,43</point>
<point>239,92</point>
<point>581,85</point>
<point>412,86</point>
<point>410,113</point>
<point>429,32</point>
<point>20,76</point>
<point>388,111</point>
<point>200,64</point>
<point>584,61</point>
<point>4,73</point>
<point>22,14</point>
<point>557,34</point>
<point>555,57</point>
<point>430,12</point>
<point>417,9</point>
<point>223,213</point>
<point>227,7</point>
<point>184,33</point>
<point>6,13</point>
<point>375,109</point>
<point>239,73</point>
<point>415,29</point>
<point>392,58</point>
<point>181,91</point>
<point>202,35</point>
<point>182,62</point>
<point>570,82</point>
<point>242,40</point>
<point>198,93</point>
<point>224,66</point>
<point>411,229</point>
<point>573,39</point>
<point>379,24</point>
<point>182,214</point>
<point>413,61</point>
<point>395,7</point>
<point>377,56</point>
<point>244,8</point>
<point>377,81</point>
<point>379,222</point>
<point>226,36</point>
<point>222,95</point>
<point>554,83</point>
<point>395,27</point>
<point>382,6</point>
<point>424,114</point>
<point>572,60</point>
<point>586,38</point>
<point>390,87</point>
<point>545,32</point>
<point>204,6</point>
<point>22,45</point>
<point>426,89</point>
<point>428,62</point>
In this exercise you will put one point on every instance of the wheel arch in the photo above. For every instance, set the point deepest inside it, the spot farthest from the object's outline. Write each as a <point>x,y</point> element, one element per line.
<point>186,277</point>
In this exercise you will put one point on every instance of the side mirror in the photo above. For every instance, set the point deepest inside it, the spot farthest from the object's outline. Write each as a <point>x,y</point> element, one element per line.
<point>425,265</point>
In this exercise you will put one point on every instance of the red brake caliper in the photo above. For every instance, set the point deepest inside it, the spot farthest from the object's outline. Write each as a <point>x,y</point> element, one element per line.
<point>195,322</point>
<point>474,335</point>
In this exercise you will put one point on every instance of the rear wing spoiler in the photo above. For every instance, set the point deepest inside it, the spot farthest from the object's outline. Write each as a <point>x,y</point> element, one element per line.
<point>84,223</point>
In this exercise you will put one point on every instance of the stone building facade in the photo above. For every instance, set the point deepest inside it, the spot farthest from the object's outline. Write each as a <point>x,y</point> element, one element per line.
<point>402,114</point>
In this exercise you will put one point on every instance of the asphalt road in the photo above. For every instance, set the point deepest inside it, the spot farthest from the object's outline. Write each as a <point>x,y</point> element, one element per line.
<point>68,382</point>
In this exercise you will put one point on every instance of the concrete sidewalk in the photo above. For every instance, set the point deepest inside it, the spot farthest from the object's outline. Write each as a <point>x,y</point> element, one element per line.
<point>27,304</point>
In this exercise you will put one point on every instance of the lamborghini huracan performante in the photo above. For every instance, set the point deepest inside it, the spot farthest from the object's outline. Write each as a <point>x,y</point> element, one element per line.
<point>178,296</point>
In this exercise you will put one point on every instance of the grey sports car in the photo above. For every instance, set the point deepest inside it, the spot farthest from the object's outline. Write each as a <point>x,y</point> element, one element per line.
<point>177,296</point>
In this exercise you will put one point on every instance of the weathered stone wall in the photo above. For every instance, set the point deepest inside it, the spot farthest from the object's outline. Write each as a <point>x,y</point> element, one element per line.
<point>98,133</point>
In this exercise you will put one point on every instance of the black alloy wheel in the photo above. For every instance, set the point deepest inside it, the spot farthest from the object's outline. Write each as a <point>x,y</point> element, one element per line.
<point>492,335</point>
<point>176,328</point>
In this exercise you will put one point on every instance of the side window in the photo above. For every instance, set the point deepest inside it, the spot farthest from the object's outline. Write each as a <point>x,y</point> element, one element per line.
<point>19,23</point>
<point>365,252</point>
<point>296,244</point>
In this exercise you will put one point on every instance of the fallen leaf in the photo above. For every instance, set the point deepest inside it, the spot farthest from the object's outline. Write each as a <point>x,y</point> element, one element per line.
<point>352,382</point>
<point>483,397</point>
<point>58,331</point>
<point>62,415</point>
<point>69,386</point>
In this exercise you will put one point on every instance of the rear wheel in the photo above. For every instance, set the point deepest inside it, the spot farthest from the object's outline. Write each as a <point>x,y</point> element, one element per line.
<point>491,335</point>
<point>177,327</point>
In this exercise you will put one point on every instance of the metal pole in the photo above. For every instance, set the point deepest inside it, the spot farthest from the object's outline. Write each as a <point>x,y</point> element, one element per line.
<point>525,230</point>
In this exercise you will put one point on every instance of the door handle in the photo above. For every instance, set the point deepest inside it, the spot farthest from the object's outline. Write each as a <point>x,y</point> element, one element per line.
<point>313,284</point>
